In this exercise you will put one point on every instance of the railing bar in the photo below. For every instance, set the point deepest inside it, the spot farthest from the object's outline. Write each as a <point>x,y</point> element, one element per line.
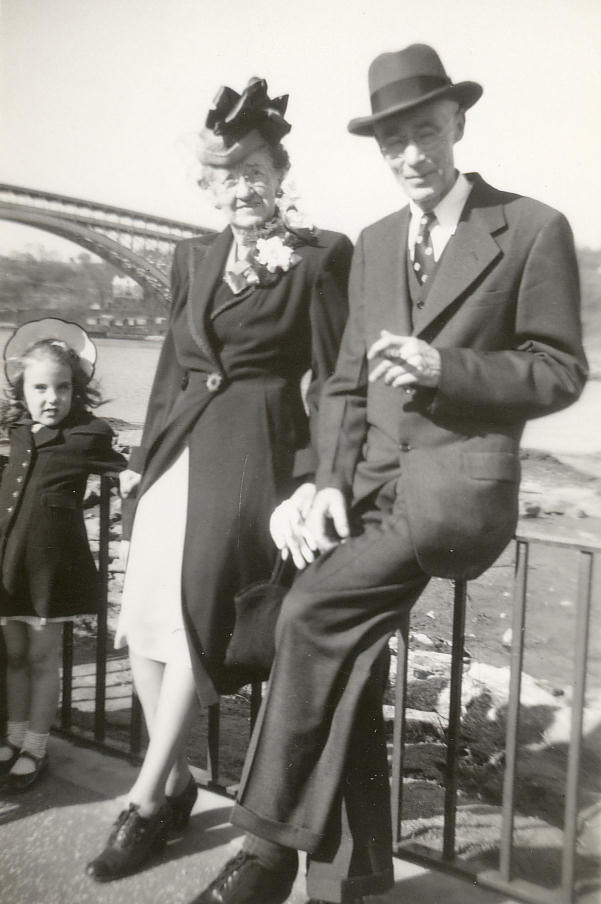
<point>585,581</point>
<point>256,693</point>
<point>101,640</point>
<point>213,723</point>
<point>67,679</point>
<point>398,729</point>
<point>135,724</point>
<point>454,727</point>
<point>513,708</point>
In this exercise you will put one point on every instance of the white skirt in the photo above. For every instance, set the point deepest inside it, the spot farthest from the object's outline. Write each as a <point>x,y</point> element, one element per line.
<point>151,620</point>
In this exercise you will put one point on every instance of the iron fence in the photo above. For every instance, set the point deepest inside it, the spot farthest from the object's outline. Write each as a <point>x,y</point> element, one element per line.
<point>501,879</point>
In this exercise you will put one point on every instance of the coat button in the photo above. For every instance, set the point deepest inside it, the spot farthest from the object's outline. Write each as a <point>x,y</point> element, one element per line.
<point>19,480</point>
<point>419,305</point>
<point>185,380</point>
<point>15,494</point>
<point>9,509</point>
<point>405,447</point>
<point>214,381</point>
<point>24,464</point>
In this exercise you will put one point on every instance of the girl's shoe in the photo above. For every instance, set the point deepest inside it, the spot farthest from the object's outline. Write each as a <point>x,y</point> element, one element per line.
<point>181,806</point>
<point>27,779</point>
<point>7,765</point>
<point>133,841</point>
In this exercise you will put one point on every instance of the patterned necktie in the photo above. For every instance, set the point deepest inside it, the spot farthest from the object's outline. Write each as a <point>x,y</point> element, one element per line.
<point>423,253</point>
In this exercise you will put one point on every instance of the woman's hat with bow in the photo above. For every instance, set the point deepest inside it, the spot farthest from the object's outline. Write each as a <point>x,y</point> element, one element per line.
<point>401,81</point>
<point>238,124</point>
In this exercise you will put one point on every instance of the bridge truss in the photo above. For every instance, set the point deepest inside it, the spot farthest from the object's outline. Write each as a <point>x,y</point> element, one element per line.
<point>137,244</point>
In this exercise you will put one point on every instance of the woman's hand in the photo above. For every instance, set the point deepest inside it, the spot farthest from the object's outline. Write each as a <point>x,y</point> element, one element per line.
<point>287,526</point>
<point>128,482</point>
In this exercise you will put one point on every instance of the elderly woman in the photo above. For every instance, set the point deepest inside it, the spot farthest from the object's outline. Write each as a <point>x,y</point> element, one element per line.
<point>227,437</point>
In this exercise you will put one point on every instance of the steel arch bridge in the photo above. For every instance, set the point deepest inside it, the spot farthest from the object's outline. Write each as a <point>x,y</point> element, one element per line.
<point>137,244</point>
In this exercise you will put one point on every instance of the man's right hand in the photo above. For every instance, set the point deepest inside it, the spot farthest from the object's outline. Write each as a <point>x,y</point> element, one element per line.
<point>128,482</point>
<point>327,523</point>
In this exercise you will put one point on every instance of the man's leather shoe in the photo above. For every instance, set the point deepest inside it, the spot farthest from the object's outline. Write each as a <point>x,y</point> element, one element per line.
<point>243,880</point>
<point>131,844</point>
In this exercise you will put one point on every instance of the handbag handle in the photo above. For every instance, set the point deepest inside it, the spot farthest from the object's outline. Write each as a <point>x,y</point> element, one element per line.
<point>278,569</point>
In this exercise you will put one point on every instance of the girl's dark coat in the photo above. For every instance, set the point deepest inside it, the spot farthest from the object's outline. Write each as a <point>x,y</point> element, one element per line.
<point>228,385</point>
<point>47,567</point>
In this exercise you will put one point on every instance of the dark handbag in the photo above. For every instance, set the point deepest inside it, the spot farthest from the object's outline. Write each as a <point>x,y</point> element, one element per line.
<point>252,644</point>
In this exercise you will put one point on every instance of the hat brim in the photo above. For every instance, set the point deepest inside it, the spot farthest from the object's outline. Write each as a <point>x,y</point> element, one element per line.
<point>214,152</point>
<point>465,93</point>
<point>34,331</point>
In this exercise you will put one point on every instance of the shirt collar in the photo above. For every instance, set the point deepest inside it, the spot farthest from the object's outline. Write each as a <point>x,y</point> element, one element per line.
<point>449,209</point>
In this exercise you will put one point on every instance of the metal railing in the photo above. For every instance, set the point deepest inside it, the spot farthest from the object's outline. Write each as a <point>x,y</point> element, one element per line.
<point>501,879</point>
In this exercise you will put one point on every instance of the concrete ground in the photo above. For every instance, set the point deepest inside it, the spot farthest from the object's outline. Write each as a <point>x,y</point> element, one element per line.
<point>48,834</point>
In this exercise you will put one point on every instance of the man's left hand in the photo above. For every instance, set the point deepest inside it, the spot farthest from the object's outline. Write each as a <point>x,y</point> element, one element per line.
<point>404,361</point>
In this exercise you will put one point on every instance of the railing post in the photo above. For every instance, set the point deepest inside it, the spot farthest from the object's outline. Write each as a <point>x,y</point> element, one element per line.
<point>454,727</point>
<point>213,725</point>
<point>67,679</point>
<point>101,639</point>
<point>585,582</point>
<point>398,729</point>
<point>513,708</point>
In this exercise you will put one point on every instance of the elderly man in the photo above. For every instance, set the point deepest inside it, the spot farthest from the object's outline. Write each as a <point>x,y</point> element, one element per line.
<point>464,323</point>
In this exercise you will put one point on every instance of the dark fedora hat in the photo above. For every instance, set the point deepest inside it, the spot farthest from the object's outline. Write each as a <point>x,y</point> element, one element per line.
<point>403,80</point>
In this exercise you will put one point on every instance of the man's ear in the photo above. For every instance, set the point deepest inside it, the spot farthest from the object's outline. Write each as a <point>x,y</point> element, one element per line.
<point>459,125</point>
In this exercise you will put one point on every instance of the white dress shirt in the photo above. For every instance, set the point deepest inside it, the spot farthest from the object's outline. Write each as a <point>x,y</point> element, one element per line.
<point>448,212</point>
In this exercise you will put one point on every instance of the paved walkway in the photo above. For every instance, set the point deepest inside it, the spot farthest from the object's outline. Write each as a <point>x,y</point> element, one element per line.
<point>48,834</point>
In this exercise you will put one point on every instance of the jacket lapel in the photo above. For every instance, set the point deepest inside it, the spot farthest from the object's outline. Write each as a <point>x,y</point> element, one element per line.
<point>468,254</point>
<point>205,274</point>
<point>392,274</point>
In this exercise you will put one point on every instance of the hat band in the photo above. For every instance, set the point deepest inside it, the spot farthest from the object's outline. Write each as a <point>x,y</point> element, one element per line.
<point>405,91</point>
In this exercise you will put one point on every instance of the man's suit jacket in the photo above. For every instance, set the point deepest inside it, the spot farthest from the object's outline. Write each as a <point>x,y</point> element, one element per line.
<point>503,311</point>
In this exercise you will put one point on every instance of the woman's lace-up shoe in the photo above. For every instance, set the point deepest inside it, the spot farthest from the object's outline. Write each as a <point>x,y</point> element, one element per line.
<point>133,841</point>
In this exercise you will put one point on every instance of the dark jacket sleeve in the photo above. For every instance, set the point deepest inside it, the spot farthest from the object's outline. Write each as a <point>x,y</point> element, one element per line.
<point>342,415</point>
<point>328,316</point>
<point>546,370</point>
<point>101,457</point>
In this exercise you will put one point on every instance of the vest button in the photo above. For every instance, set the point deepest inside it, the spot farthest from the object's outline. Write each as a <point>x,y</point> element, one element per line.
<point>185,380</point>
<point>405,447</point>
<point>419,305</point>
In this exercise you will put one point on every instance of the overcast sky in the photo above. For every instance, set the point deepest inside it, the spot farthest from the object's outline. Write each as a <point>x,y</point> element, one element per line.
<point>101,98</point>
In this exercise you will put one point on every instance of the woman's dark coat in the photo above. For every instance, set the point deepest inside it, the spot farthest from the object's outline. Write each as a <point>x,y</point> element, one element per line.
<point>47,567</point>
<point>228,385</point>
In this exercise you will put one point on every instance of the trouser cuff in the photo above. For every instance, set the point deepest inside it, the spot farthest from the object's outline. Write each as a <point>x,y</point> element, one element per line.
<point>300,839</point>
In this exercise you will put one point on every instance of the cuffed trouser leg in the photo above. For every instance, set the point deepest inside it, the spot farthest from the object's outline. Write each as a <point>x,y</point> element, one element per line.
<point>356,857</point>
<point>335,624</point>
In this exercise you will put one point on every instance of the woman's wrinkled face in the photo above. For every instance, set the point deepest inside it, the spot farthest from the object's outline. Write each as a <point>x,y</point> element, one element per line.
<point>246,191</point>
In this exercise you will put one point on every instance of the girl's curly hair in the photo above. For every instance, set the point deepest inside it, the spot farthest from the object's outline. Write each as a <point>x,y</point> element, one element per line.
<point>85,393</point>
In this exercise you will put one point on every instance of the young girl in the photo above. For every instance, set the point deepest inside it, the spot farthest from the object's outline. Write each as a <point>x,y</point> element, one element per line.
<point>47,571</point>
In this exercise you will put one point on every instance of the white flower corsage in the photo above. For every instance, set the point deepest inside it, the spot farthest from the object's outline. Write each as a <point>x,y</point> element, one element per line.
<point>274,253</point>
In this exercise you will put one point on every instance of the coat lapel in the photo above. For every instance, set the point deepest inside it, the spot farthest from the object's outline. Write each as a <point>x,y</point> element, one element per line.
<point>392,275</point>
<point>206,273</point>
<point>469,253</point>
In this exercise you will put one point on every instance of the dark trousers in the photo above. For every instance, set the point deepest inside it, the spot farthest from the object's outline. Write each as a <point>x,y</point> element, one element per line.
<point>316,774</point>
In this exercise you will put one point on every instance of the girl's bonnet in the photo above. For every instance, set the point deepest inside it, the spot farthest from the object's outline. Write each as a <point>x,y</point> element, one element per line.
<point>63,332</point>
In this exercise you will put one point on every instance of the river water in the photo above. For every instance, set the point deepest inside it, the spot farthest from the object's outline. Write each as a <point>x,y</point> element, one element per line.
<point>125,370</point>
